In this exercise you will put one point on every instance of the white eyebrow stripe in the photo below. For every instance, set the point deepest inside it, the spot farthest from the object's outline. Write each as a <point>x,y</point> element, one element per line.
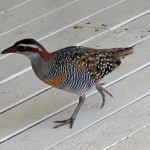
<point>30,45</point>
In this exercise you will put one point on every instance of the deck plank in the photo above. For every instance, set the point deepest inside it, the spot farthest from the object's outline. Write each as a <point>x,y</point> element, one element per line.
<point>7,4</point>
<point>139,139</point>
<point>19,89</point>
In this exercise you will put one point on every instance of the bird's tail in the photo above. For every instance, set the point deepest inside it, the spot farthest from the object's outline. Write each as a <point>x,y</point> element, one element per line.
<point>122,52</point>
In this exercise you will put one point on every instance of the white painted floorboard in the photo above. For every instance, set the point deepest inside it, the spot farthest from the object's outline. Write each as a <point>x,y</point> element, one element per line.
<point>28,107</point>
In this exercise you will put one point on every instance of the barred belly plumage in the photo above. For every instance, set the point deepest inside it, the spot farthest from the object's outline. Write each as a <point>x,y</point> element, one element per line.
<point>76,81</point>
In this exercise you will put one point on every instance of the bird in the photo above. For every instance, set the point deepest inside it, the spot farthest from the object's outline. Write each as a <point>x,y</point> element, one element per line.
<point>74,69</point>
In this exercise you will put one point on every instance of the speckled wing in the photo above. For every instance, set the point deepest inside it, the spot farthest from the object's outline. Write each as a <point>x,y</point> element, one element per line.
<point>95,62</point>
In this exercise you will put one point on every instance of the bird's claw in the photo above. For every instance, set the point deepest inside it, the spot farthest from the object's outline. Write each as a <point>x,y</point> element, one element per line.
<point>64,122</point>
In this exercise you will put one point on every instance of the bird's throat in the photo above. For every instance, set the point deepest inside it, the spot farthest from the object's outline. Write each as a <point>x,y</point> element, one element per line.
<point>46,56</point>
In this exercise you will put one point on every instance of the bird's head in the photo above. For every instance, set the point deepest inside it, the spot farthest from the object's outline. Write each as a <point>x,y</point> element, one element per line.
<point>30,48</point>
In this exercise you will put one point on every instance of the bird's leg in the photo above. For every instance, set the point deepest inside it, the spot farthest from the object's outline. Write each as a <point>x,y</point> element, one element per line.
<point>73,117</point>
<point>102,91</point>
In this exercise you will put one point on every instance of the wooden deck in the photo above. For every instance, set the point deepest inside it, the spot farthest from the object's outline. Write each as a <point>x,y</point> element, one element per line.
<point>29,108</point>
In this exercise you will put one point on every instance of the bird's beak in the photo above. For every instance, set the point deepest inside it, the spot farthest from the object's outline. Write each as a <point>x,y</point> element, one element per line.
<point>11,49</point>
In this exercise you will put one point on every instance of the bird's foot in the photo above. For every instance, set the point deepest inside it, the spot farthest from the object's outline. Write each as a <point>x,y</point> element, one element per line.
<point>64,122</point>
<point>102,91</point>
<point>73,117</point>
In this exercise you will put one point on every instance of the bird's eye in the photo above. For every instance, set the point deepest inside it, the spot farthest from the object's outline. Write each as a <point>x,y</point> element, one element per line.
<point>21,48</point>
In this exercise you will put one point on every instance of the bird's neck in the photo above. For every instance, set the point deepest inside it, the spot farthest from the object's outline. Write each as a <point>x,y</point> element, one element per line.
<point>40,66</point>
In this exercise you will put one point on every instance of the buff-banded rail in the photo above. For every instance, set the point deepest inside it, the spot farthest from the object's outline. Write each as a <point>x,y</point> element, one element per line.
<point>75,69</point>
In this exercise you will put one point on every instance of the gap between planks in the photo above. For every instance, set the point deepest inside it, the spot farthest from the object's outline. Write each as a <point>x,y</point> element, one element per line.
<point>127,137</point>
<point>18,5</point>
